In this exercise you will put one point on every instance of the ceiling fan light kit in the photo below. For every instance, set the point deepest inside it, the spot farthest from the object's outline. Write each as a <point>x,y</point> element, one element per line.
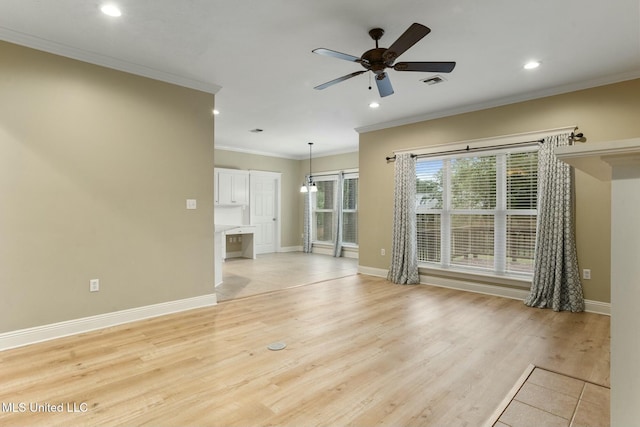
<point>378,59</point>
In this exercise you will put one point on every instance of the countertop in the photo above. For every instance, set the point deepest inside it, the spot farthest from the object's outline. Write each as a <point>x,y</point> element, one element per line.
<point>219,228</point>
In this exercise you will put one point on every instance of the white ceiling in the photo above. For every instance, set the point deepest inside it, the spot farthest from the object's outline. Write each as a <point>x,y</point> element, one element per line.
<point>256,56</point>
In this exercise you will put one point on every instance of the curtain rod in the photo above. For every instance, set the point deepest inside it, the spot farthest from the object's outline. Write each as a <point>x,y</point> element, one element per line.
<point>330,173</point>
<point>572,137</point>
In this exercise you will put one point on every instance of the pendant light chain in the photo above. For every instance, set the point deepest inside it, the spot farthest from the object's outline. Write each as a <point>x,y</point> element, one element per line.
<point>310,145</point>
<point>309,185</point>
<point>312,185</point>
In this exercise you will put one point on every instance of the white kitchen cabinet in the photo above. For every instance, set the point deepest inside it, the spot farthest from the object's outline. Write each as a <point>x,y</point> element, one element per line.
<point>231,187</point>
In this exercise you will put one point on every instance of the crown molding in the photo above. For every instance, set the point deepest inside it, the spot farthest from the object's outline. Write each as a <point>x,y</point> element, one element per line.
<point>283,156</point>
<point>529,96</point>
<point>254,152</point>
<point>37,43</point>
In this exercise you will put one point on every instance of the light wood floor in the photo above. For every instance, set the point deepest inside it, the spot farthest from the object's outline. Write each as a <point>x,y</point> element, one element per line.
<point>360,351</point>
<point>270,272</point>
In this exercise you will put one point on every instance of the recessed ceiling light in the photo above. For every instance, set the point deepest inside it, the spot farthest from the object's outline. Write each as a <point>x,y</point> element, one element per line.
<point>531,65</point>
<point>216,112</point>
<point>374,104</point>
<point>111,10</point>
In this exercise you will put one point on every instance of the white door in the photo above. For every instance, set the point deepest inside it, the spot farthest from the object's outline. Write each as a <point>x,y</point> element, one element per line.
<point>265,188</point>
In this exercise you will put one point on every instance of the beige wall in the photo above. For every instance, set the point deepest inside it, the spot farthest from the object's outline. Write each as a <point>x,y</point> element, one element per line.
<point>336,162</point>
<point>95,168</point>
<point>604,113</point>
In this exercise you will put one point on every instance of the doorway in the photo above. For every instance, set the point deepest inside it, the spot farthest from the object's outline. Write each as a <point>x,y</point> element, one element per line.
<point>265,210</point>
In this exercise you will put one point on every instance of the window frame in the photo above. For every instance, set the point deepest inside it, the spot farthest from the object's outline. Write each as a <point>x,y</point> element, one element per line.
<point>334,211</point>
<point>351,175</point>
<point>315,210</point>
<point>500,216</point>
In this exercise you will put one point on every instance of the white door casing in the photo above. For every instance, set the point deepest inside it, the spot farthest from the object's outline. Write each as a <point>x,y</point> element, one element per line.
<point>265,210</point>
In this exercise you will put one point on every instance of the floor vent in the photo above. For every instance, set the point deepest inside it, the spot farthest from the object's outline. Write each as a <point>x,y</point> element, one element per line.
<point>276,346</point>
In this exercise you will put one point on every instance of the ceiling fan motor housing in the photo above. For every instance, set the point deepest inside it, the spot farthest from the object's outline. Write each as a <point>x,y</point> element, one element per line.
<point>373,60</point>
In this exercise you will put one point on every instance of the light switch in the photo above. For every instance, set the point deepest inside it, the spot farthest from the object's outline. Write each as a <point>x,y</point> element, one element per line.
<point>191,204</point>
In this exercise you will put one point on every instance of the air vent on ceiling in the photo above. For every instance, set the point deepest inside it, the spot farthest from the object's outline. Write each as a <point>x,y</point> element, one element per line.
<point>434,80</point>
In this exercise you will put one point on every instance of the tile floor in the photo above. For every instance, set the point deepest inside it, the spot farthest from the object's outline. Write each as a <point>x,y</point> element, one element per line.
<point>550,399</point>
<point>242,277</point>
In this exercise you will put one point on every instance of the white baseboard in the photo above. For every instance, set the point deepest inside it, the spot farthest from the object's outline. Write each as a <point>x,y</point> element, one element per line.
<point>597,307</point>
<point>328,250</point>
<point>371,271</point>
<point>290,249</point>
<point>37,334</point>
<point>499,291</point>
<point>479,288</point>
<point>350,254</point>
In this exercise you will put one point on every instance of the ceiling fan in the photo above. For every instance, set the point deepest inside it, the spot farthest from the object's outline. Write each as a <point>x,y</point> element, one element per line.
<point>378,59</point>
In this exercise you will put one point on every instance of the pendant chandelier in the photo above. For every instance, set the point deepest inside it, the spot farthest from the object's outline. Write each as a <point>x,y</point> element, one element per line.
<point>309,185</point>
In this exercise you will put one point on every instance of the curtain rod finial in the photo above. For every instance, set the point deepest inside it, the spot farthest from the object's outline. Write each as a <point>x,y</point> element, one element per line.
<point>577,136</point>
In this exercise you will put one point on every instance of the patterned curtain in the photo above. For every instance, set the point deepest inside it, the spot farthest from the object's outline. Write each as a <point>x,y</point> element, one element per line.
<point>404,253</point>
<point>306,223</point>
<point>337,248</point>
<point>556,279</point>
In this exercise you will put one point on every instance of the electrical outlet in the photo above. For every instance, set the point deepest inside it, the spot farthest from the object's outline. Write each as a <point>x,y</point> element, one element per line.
<point>94,285</point>
<point>383,252</point>
<point>586,274</point>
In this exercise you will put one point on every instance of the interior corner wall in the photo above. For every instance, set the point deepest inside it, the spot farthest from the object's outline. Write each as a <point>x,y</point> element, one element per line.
<point>602,113</point>
<point>95,169</point>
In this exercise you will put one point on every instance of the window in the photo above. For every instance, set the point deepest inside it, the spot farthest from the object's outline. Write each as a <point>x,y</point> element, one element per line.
<point>323,212</point>
<point>350,210</point>
<point>478,213</point>
<point>326,209</point>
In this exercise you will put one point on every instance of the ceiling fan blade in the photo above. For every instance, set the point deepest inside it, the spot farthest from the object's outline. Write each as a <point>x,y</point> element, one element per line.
<point>384,85</point>
<point>410,37</point>
<point>429,67</point>
<point>338,80</point>
<point>333,53</point>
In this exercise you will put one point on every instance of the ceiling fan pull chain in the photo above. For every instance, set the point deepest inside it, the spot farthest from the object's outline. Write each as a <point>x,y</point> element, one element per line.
<point>369,81</point>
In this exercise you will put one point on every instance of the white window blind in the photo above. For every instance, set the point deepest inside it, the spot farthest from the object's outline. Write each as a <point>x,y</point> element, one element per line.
<point>478,212</point>
<point>350,210</point>
<point>324,211</point>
